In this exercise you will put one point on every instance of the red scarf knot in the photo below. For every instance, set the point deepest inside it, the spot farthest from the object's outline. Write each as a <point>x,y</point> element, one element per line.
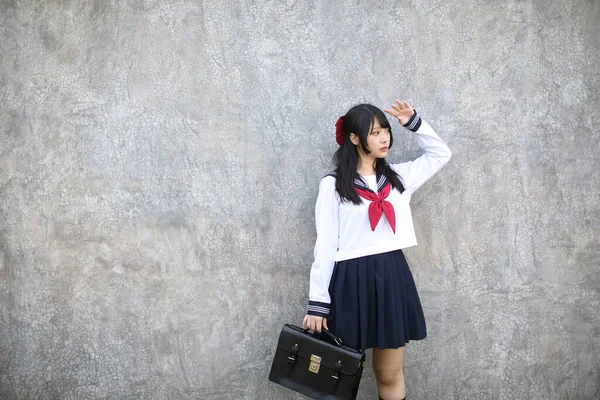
<point>379,205</point>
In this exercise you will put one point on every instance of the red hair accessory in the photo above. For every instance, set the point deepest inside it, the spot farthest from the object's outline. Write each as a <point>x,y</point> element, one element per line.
<point>339,133</point>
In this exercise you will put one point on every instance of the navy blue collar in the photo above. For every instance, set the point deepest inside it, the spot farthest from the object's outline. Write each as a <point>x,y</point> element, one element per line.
<point>360,183</point>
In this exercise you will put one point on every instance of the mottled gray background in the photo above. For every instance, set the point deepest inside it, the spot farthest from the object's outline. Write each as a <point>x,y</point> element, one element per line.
<point>159,164</point>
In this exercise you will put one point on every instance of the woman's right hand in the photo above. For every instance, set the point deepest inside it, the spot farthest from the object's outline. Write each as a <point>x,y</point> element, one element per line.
<point>314,322</point>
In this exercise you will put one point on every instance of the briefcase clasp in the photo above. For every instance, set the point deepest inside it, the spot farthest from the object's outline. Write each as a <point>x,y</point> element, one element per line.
<point>315,364</point>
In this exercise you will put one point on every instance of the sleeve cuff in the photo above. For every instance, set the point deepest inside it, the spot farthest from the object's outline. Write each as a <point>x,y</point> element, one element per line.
<point>414,123</point>
<point>318,308</point>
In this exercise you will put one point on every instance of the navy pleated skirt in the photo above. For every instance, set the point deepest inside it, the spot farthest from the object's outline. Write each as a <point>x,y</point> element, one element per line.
<point>374,302</point>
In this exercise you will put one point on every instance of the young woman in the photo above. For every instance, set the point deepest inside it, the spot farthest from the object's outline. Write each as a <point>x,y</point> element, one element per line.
<point>361,287</point>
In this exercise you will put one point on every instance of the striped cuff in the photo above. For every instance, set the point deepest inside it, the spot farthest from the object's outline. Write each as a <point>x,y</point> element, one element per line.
<point>414,123</point>
<point>318,308</point>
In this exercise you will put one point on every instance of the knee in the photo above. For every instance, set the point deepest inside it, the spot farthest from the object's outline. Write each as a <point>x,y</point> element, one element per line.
<point>388,376</point>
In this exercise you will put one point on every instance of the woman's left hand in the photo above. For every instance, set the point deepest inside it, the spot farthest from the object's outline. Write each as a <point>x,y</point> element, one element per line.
<point>401,110</point>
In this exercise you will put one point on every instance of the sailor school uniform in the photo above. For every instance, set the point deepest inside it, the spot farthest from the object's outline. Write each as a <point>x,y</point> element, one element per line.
<point>359,279</point>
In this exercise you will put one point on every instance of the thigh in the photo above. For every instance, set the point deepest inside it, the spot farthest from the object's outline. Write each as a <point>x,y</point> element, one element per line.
<point>388,359</point>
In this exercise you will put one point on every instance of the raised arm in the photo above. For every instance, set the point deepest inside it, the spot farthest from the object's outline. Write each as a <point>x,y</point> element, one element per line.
<point>437,154</point>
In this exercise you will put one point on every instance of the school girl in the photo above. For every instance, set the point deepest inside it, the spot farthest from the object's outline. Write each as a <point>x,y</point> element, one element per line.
<point>361,287</point>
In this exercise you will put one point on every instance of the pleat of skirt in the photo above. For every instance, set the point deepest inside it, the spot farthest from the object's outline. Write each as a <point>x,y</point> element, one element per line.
<point>374,302</point>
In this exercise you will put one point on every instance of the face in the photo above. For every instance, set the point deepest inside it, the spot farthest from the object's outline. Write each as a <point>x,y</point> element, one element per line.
<point>378,141</point>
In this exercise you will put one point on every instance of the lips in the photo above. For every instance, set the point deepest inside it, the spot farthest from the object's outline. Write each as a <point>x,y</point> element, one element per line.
<point>383,149</point>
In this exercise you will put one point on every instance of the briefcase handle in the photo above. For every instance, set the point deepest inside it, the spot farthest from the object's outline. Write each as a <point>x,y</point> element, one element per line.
<point>327,333</point>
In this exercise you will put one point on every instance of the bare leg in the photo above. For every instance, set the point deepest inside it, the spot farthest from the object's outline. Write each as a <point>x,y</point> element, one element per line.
<point>387,366</point>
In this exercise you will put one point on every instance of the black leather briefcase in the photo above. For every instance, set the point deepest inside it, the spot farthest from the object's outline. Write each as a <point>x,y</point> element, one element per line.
<point>316,364</point>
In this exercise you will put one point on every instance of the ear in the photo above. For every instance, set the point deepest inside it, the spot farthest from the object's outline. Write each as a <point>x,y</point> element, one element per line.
<point>355,140</point>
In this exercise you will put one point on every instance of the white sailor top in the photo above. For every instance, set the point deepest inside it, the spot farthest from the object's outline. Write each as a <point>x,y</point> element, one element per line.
<point>344,229</point>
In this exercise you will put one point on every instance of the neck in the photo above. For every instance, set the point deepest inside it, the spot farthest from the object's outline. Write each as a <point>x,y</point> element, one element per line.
<point>366,165</point>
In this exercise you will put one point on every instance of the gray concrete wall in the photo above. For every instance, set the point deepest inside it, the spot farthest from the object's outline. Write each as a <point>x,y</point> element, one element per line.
<point>159,164</point>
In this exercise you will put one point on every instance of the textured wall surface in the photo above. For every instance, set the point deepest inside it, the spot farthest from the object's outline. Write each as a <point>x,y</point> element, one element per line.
<point>159,163</point>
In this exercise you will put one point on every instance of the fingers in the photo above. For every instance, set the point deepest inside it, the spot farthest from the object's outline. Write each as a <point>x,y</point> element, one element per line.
<point>308,322</point>
<point>401,105</point>
<point>395,110</point>
<point>314,323</point>
<point>397,107</point>
<point>401,110</point>
<point>405,105</point>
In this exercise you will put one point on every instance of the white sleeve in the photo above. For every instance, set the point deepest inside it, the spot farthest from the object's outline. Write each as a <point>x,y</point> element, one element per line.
<point>326,218</point>
<point>437,154</point>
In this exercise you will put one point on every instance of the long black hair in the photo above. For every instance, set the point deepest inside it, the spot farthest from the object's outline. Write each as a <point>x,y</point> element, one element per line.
<point>360,120</point>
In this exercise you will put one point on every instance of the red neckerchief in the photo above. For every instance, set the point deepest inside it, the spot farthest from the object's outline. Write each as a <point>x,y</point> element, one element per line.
<point>379,205</point>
